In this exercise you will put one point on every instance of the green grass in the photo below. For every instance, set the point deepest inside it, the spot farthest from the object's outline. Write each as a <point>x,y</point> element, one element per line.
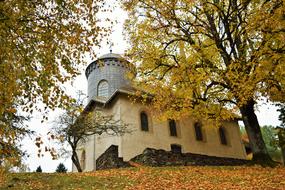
<point>251,177</point>
<point>62,181</point>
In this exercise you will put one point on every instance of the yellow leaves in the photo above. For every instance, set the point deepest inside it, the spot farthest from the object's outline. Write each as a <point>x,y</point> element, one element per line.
<point>227,177</point>
<point>39,54</point>
<point>42,43</point>
<point>201,61</point>
<point>38,142</point>
<point>3,176</point>
<point>38,45</point>
<point>12,110</point>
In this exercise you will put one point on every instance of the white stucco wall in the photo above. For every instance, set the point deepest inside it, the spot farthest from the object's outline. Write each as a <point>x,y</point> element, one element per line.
<point>159,137</point>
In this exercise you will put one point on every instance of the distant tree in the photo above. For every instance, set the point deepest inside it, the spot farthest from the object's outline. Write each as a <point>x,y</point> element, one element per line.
<point>39,169</point>
<point>23,168</point>
<point>281,130</point>
<point>75,125</point>
<point>270,136</point>
<point>43,44</point>
<point>11,155</point>
<point>10,150</point>
<point>18,165</point>
<point>61,168</point>
<point>281,117</point>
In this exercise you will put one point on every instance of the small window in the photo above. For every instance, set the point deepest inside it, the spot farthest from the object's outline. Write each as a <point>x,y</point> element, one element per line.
<point>198,131</point>
<point>172,128</point>
<point>144,121</point>
<point>103,89</point>
<point>175,148</point>
<point>223,137</point>
<point>83,160</point>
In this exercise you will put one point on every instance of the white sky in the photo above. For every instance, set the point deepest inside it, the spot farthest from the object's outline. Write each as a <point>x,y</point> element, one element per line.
<point>80,83</point>
<point>267,114</point>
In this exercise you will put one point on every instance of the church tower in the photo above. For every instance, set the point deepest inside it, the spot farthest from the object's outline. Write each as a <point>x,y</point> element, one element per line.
<point>106,75</point>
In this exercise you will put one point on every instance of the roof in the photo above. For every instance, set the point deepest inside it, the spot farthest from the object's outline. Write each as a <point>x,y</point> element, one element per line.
<point>106,100</point>
<point>111,55</point>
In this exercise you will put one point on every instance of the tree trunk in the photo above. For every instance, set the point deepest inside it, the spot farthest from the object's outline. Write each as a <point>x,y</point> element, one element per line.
<point>260,153</point>
<point>75,161</point>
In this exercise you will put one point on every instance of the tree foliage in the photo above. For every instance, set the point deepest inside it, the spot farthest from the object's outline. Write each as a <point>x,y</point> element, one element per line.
<point>209,57</point>
<point>42,44</point>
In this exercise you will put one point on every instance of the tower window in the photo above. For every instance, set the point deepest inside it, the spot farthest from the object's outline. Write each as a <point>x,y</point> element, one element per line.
<point>103,89</point>
<point>144,121</point>
<point>198,131</point>
<point>172,128</point>
<point>223,137</point>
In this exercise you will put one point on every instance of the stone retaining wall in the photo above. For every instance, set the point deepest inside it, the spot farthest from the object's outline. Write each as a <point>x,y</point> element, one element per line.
<point>153,157</point>
<point>110,159</point>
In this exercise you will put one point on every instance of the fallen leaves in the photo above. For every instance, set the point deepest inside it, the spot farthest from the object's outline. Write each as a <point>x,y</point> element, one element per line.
<point>2,176</point>
<point>190,177</point>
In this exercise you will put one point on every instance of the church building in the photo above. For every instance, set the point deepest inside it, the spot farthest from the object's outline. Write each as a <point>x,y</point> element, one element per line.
<point>109,91</point>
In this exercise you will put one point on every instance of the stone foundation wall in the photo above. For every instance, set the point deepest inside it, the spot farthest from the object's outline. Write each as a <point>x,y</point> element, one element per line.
<point>110,159</point>
<point>153,157</point>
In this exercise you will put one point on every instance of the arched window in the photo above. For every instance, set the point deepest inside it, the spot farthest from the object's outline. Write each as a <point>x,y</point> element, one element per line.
<point>103,88</point>
<point>83,160</point>
<point>198,131</point>
<point>223,137</point>
<point>144,121</point>
<point>172,128</point>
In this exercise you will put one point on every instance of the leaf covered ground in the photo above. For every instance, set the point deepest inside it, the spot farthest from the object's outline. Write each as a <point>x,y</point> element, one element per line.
<point>254,177</point>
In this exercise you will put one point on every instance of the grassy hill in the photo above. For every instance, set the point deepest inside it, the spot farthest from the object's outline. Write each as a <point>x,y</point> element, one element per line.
<point>241,177</point>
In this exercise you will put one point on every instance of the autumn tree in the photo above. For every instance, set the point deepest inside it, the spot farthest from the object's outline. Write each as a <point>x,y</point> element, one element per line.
<point>209,58</point>
<point>10,150</point>
<point>42,45</point>
<point>76,125</point>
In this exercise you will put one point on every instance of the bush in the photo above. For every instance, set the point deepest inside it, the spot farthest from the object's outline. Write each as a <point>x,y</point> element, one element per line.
<point>61,168</point>
<point>39,169</point>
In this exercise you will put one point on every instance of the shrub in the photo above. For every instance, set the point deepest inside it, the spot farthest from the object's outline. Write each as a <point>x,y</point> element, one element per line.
<point>61,168</point>
<point>39,169</point>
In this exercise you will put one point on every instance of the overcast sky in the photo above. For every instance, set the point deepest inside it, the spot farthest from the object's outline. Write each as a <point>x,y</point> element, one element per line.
<point>267,114</point>
<point>80,83</point>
